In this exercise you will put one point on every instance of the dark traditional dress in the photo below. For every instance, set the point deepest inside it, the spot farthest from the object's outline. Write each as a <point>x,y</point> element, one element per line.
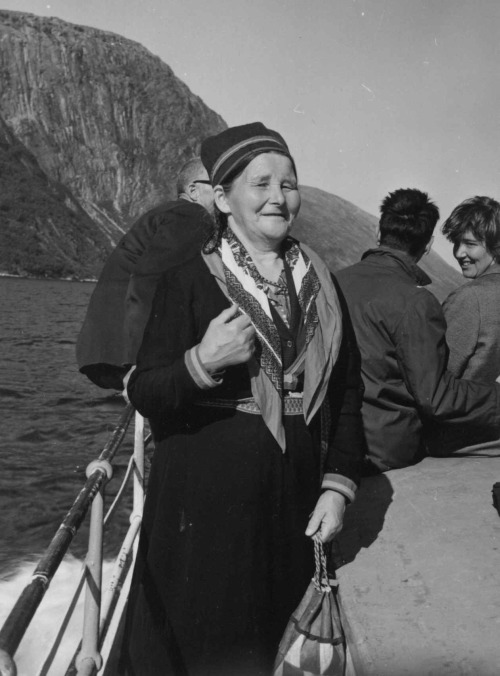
<point>223,559</point>
<point>120,305</point>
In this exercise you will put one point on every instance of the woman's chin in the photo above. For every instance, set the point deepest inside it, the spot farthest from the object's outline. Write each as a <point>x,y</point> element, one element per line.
<point>469,272</point>
<point>277,229</point>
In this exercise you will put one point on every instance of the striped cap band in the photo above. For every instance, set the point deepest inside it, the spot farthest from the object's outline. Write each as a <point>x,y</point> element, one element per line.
<point>234,155</point>
<point>223,153</point>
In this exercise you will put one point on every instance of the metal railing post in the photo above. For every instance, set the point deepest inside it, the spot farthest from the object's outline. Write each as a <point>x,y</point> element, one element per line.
<point>7,664</point>
<point>89,658</point>
<point>114,601</point>
<point>139,467</point>
<point>97,616</point>
<point>21,615</point>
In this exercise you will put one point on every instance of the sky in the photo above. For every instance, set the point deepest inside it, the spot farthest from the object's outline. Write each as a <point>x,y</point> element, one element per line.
<point>370,95</point>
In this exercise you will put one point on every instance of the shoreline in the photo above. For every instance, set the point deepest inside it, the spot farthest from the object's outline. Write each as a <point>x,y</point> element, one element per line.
<point>48,279</point>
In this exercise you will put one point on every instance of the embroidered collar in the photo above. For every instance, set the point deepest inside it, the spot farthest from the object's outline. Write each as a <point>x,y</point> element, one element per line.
<point>290,251</point>
<point>248,289</point>
<point>320,312</point>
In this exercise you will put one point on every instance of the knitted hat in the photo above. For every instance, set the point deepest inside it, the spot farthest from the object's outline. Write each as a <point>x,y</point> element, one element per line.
<point>222,153</point>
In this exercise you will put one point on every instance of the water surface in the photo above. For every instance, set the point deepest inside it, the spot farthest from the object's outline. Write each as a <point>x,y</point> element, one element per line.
<point>53,420</point>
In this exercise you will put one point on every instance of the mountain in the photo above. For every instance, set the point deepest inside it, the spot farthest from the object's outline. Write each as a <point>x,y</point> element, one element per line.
<point>342,232</point>
<point>44,232</point>
<point>96,130</point>
<point>102,115</point>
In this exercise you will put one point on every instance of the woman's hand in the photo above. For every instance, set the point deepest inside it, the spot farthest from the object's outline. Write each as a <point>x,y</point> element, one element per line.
<point>228,340</point>
<point>328,515</point>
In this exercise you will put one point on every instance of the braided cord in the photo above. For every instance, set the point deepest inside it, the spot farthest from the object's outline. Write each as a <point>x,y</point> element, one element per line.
<point>320,579</point>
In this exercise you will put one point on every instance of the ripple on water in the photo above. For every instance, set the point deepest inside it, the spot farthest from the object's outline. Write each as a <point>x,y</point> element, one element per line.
<point>53,420</point>
<point>13,394</point>
<point>66,401</point>
<point>33,436</point>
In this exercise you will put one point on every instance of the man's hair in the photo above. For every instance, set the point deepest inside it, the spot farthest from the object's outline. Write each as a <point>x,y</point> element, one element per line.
<point>407,220</point>
<point>480,215</point>
<point>189,172</point>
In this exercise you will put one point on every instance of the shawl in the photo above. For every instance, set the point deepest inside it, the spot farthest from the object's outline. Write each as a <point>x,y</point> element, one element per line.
<point>235,274</point>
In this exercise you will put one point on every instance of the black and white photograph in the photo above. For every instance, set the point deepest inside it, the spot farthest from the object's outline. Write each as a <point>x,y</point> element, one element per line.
<point>250,330</point>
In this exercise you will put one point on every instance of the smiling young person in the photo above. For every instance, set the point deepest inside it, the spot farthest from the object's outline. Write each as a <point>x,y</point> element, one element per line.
<point>472,311</point>
<point>400,329</point>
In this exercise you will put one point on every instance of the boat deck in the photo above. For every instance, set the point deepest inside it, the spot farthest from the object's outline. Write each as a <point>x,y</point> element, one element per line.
<point>420,570</point>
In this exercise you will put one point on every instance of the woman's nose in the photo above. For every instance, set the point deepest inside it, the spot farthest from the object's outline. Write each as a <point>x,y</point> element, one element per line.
<point>459,250</point>
<point>277,196</point>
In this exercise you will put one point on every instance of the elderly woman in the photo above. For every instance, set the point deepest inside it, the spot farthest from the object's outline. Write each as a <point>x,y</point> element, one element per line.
<point>249,378</point>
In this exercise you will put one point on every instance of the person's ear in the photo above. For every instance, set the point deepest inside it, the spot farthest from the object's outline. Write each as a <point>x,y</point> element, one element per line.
<point>377,235</point>
<point>428,246</point>
<point>192,191</point>
<point>220,200</point>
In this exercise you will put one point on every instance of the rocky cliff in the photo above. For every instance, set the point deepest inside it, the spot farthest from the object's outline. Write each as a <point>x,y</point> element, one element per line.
<point>44,232</point>
<point>102,115</point>
<point>96,121</point>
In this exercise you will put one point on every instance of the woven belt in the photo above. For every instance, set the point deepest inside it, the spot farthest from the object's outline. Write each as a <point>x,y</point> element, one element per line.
<point>292,404</point>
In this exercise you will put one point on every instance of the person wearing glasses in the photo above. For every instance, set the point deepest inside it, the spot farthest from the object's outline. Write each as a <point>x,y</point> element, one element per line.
<point>120,304</point>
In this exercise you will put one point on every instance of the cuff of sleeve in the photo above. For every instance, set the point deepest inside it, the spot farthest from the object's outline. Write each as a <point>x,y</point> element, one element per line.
<point>198,372</point>
<point>341,484</point>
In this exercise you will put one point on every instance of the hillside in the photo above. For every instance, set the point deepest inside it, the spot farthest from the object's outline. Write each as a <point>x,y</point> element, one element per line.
<point>341,232</point>
<point>43,230</point>
<point>102,115</point>
<point>96,130</point>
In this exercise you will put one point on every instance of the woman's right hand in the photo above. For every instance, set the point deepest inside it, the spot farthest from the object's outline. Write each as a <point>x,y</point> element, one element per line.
<point>229,340</point>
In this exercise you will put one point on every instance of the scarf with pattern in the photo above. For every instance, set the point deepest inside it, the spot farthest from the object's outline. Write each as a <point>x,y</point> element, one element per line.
<point>240,281</point>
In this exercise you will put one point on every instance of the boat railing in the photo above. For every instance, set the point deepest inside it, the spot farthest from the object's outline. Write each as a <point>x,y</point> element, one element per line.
<point>101,619</point>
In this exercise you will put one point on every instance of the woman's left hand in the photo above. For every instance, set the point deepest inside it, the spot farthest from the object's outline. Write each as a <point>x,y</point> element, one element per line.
<point>328,516</point>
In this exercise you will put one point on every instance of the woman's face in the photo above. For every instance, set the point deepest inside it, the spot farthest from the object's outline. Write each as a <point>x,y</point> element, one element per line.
<point>472,255</point>
<point>263,201</point>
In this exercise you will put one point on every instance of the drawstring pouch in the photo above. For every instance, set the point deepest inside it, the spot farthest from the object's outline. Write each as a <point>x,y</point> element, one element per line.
<point>314,643</point>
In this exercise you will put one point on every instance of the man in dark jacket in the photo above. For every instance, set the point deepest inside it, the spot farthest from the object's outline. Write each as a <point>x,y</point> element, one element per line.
<point>400,329</point>
<point>120,305</point>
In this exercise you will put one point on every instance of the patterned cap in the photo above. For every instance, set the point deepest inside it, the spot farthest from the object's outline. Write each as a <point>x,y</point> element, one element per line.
<point>222,153</point>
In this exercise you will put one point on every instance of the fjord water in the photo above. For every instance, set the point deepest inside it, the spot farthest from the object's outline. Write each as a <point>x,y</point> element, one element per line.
<point>53,421</point>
